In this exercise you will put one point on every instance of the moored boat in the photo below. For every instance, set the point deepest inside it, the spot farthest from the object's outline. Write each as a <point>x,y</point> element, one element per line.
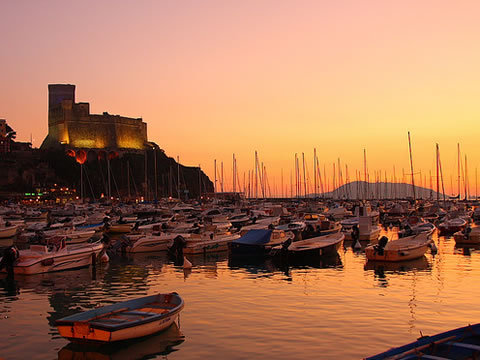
<point>451,226</point>
<point>41,259</point>
<point>8,231</point>
<point>258,242</point>
<point>407,248</point>
<point>468,236</point>
<point>122,321</point>
<point>461,343</point>
<point>317,246</point>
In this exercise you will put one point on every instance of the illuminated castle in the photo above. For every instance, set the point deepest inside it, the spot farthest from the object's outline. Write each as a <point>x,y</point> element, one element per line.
<point>71,123</point>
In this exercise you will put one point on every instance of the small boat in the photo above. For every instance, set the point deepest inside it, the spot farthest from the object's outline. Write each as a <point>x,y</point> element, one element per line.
<point>152,242</point>
<point>368,227</point>
<point>8,231</point>
<point>407,248</point>
<point>150,347</point>
<point>468,236</point>
<point>317,246</point>
<point>258,242</point>
<point>451,226</point>
<point>122,321</point>
<point>41,259</point>
<point>211,245</point>
<point>422,227</point>
<point>461,343</point>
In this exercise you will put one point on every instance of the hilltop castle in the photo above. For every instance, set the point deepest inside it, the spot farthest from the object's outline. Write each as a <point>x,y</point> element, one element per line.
<point>71,123</point>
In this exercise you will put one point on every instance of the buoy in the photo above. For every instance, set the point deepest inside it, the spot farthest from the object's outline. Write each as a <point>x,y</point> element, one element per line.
<point>186,264</point>
<point>105,258</point>
<point>433,248</point>
<point>357,245</point>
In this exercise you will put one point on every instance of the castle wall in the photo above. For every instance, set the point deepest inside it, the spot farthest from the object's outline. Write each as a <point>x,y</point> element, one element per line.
<point>71,123</point>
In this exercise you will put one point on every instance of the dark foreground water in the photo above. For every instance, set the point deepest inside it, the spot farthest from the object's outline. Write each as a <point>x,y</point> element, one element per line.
<point>339,308</point>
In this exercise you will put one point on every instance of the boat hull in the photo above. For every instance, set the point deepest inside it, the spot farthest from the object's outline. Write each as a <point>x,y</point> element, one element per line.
<point>86,333</point>
<point>122,321</point>
<point>8,232</point>
<point>460,238</point>
<point>396,255</point>
<point>57,262</point>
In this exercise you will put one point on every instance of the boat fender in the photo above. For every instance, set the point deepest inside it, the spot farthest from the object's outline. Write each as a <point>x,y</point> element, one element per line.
<point>357,245</point>
<point>105,258</point>
<point>433,248</point>
<point>186,263</point>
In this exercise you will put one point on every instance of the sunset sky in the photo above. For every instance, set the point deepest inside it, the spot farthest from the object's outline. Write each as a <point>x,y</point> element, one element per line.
<point>212,78</point>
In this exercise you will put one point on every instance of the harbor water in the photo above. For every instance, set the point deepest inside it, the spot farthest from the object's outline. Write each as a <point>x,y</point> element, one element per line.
<point>336,308</point>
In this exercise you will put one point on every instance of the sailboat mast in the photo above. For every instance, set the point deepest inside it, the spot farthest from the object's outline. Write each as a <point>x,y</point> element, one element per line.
<point>365,195</point>
<point>466,179</point>
<point>304,176</point>
<point>458,169</point>
<point>315,172</point>
<point>178,177</point>
<point>215,171</point>
<point>438,178</point>
<point>411,166</point>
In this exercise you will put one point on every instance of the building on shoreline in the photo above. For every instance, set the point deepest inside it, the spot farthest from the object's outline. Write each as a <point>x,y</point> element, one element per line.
<point>72,125</point>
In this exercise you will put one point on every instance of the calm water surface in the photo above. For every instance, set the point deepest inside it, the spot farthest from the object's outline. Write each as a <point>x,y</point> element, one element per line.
<point>339,308</point>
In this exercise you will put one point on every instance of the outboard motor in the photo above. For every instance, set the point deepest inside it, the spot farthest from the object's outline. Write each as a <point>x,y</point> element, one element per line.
<point>10,255</point>
<point>381,245</point>
<point>176,250</point>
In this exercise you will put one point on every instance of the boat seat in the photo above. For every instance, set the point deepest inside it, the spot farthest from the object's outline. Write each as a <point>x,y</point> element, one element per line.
<point>160,305</point>
<point>429,357</point>
<point>464,345</point>
<point>107,321</point>
<point>156,310</point>
<point>141,313</point>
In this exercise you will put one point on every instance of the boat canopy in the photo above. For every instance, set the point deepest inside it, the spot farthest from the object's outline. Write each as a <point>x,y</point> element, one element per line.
<point>255,237</point>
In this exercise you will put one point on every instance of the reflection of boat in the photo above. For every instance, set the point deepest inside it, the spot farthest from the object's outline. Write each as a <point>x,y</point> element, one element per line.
<point>122,321</point>
<point>407,248</point>
<point>390,266</point>
<point>147,347</point>
<point>40,259</point>
<point>319,262</point>
<point>461,343</point>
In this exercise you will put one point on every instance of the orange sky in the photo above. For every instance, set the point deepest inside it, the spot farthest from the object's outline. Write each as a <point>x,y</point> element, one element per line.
<point>212,78</point>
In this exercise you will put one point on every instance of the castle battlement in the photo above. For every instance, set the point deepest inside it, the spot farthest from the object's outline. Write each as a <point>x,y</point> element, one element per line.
<point>71,123</point>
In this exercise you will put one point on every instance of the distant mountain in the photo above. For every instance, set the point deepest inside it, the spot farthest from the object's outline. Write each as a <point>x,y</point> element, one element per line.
<point>381,190</point>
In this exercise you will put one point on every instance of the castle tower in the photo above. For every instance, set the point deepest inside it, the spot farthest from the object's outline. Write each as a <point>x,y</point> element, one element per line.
<point>59,92</point>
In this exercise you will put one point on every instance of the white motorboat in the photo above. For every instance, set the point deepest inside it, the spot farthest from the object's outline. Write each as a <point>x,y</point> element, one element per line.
<point>41,259</point>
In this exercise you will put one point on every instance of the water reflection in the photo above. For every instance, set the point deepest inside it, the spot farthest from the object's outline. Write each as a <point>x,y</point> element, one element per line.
<point>382,268</point>
<point>160,344</point>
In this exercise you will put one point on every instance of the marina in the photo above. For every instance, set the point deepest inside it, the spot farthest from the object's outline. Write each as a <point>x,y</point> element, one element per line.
<point>240,180</point>
<point>259,306</point>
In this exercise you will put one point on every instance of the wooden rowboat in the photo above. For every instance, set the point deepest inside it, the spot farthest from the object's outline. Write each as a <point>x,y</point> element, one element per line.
<point>407,248</point>
<point>461,343</point>
<point>122,321</point>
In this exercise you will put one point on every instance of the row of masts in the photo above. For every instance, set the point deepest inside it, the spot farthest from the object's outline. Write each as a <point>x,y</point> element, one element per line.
<point>170,186</point>
<point>367,185</point>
